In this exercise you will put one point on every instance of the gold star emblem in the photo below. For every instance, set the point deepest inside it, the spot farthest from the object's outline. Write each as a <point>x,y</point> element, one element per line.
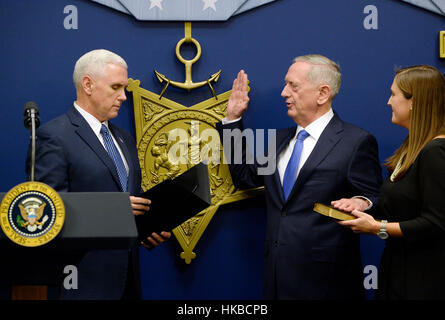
<point>155,118</point>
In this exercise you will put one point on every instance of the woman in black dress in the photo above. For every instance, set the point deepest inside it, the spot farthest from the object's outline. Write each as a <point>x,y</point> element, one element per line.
<point>412,198</point>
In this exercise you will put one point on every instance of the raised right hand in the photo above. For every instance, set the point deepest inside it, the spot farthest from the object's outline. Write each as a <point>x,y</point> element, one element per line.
<point>239,99</point>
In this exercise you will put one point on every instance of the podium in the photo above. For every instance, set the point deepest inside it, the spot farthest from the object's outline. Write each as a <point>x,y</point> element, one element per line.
<point>93,221</point>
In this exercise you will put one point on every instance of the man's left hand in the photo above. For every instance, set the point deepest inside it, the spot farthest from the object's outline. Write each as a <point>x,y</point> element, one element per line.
<point>156,239</point>
<point>351,204</point>
<point>139,205</point>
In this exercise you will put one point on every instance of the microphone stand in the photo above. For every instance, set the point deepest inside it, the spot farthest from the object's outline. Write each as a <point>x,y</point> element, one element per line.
<point>31,122</point>
<point>33,142</point>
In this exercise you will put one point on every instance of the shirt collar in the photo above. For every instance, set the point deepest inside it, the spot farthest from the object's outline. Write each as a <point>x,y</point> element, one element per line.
<point>95,124</point>
<point>315,129</point>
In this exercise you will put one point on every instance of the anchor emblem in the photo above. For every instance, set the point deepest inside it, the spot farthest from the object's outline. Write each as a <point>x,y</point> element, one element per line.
<point>188,84</point>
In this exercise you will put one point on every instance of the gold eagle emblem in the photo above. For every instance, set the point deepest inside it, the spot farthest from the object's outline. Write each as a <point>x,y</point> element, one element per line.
<point>31,210</point>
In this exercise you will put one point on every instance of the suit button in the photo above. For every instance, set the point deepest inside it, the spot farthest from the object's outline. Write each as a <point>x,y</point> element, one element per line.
<point>277,243</point>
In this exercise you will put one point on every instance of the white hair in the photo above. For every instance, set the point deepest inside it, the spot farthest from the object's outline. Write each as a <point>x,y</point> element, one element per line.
<point>93,63</point>
<point>323,71</point>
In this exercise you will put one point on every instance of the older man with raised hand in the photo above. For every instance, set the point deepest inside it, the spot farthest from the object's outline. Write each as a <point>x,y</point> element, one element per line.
<point>320,159</point>
<point>81,151</point>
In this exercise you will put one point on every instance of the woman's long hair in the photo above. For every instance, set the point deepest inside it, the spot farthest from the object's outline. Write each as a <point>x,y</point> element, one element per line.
<point>426,86</point>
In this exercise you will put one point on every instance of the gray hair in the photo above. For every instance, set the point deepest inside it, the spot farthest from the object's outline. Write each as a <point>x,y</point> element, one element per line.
<point>94,63</point>
<point>323,71</point>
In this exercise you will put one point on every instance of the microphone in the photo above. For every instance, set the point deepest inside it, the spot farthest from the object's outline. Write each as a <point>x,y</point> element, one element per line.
<point>32,121</point>
<point>31,111</point>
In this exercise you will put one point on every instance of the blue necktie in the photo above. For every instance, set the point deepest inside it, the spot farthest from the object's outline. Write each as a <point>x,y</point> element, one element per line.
<point>115,156</point>
<point>291,170</point>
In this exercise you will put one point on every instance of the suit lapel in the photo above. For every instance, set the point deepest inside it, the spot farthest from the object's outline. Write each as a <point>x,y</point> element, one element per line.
<point>325,144</point>
<point>87,135</point>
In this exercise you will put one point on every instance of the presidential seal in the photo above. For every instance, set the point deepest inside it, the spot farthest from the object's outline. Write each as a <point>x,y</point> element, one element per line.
<point>32,214</point>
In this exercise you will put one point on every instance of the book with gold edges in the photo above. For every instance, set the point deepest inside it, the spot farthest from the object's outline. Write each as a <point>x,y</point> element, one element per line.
<point>332,212</point>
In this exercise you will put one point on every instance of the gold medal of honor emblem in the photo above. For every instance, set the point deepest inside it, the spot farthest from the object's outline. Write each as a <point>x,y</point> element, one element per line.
<point>165,127</point>
<point>32,214</point>
<point>171,138</point>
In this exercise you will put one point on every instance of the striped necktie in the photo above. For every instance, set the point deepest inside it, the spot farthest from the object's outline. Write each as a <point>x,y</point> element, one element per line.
<point>115,156</point>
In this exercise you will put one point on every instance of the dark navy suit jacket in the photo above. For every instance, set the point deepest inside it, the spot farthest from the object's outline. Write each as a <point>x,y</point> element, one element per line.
<point>308,255</point>
<point>70,158</point>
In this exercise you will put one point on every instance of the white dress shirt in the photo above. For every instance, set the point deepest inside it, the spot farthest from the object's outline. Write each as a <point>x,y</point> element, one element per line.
<point>315,129</point>
<point>96,125</point>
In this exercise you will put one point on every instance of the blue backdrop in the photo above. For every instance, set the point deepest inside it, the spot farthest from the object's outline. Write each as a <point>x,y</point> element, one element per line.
<point>38,56</point>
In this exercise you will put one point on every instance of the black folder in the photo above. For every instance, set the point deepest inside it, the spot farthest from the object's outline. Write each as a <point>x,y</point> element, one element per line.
<point>174,201</point>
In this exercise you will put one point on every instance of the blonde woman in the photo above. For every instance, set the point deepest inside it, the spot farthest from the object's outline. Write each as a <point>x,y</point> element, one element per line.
<point>412,199</point>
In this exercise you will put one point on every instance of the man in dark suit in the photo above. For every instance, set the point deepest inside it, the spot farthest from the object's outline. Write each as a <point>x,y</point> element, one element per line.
<point>321,159</point>
<point>81,151</point>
